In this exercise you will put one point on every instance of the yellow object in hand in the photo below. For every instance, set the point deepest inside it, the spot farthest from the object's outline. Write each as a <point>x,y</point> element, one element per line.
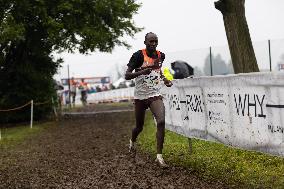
<point>168,74</point>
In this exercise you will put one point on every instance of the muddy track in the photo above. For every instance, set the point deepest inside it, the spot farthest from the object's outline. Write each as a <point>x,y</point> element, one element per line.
<point>89,152</point>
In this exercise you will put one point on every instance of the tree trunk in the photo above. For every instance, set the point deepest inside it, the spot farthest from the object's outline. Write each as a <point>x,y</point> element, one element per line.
<point>242,53</point>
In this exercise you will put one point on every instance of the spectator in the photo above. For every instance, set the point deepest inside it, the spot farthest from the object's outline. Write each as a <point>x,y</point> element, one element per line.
<point>83,86</point>
<point>98,89</point>
<point>111,86</point>
<point>59,91</point>
<point>104,88</point>
<point>73,90</point>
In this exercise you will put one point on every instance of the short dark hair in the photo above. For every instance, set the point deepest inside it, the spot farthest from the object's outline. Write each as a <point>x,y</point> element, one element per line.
<point>148,34</point>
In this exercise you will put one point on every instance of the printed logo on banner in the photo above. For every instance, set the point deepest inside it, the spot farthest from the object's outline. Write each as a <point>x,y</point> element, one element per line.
<point>193,110</point>
<point>245,102</point>
<point>256,115</point>
<point>172,106</point>
<point>192,102</point>
<point>186,110</point>
<point>218,113</point>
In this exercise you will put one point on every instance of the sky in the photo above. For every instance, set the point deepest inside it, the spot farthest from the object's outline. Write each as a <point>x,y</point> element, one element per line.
<point>186,29</point>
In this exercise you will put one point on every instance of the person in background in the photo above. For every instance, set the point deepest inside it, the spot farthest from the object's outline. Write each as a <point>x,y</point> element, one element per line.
<point>98,88</point>
<point>59,92</point>
<point>111,86</point>
<point>83,86</point>
<point>146,64</point>
<point>104,87</point>
<point>73,90</point>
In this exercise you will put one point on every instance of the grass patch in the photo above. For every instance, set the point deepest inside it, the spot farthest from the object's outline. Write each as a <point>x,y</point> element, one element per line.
<point>217,162</point>
<point>12,136</point>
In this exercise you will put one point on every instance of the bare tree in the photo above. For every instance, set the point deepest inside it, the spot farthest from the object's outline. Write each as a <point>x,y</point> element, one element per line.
<point>219,66</point>
<point>197,72</point>
<point>241,49</point>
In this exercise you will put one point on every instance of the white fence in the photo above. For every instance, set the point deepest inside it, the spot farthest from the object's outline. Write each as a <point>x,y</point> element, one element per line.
<point>112,95</point>
<point>244,110</point>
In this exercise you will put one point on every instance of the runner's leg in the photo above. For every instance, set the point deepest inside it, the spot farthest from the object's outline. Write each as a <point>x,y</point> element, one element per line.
<point>158,110</point>
<point>139,115</point>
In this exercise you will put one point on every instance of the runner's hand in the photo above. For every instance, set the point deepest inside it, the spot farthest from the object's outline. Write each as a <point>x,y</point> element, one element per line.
<point>168,83</point>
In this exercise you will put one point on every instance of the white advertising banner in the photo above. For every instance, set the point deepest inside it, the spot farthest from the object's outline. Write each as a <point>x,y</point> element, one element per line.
<point>243,110</point>
<point>111,95</point>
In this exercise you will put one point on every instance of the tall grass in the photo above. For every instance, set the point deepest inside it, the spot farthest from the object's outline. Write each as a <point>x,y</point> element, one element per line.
<point>217,162</point>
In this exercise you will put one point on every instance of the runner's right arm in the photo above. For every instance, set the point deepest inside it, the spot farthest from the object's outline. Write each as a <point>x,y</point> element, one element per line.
<point>136,62</point>
<point>131,75</point>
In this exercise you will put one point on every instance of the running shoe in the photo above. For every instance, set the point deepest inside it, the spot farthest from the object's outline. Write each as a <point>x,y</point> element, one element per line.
<point>160,161</point>
<point>132,147</point>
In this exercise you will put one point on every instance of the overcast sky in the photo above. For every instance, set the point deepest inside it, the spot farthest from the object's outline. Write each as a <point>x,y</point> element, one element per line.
<point>181,25</point>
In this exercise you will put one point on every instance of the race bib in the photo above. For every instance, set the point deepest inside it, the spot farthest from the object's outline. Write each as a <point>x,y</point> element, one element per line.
<point>152,81</point>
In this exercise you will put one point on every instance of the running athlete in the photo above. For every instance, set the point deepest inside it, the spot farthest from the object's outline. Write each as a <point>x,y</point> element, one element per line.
<point>148,76</point>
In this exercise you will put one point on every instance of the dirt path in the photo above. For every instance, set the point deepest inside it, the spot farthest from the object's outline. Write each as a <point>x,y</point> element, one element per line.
<point>89,153</point>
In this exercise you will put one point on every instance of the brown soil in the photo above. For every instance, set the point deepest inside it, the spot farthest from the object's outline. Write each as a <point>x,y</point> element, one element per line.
<point>89,152</point>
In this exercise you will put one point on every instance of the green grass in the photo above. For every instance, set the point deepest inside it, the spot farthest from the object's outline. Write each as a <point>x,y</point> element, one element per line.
<point>217,162</point>
<point>14,135</point>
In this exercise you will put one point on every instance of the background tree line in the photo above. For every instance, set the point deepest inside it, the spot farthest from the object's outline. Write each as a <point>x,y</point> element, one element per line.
<point>31,30</point>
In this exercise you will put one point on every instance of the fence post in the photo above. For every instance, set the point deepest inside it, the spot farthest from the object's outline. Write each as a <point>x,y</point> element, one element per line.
<point>270,65</point>
<point>69,97</point>
<point>211,67</point>
<point>32,112</point>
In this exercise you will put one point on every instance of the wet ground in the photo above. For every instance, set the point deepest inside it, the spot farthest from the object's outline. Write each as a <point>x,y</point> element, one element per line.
<point>89,152</point>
